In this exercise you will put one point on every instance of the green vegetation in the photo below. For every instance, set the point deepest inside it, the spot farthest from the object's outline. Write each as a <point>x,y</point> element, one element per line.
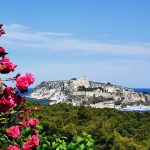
<point>84,89</point>
<point>111,129</point>
<point>119,102</point>
<point>98,99</point>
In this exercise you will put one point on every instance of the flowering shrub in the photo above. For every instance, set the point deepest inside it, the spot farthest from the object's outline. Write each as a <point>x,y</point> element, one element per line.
<point>17,126</point>
<point>18,130</point>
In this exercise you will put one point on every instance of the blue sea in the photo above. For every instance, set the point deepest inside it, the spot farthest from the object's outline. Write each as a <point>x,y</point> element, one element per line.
<point>142,90</point>
<point>28,92</point>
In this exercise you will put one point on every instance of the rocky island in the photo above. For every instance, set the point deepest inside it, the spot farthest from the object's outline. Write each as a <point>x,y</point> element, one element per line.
<point>77,91</point>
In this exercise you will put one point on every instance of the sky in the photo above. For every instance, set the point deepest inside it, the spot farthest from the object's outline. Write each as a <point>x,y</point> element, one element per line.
<point>103,40</point>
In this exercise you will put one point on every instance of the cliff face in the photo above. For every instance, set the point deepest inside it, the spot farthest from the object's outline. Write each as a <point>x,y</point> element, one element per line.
<point>79,90</point>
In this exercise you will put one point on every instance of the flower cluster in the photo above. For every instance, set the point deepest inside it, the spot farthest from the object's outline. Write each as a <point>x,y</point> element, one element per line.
<point>16,118</point>
<point>23,81</point>
<point>32,122</point>
<point>13,131</point>
<point>6,104</point>
<point>31,143</point>
<point>6,65</point>
<point>9,100</point>
<point>15,147</point>
<point>24,127</point>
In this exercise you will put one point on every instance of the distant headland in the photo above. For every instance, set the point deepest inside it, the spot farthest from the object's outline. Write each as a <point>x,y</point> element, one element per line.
<point>77,91</point>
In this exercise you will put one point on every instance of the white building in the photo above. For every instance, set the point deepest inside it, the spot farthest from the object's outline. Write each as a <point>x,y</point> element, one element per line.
<point>82,81</point>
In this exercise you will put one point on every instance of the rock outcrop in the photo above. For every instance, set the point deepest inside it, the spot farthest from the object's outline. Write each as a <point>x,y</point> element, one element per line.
<point>80,90</point>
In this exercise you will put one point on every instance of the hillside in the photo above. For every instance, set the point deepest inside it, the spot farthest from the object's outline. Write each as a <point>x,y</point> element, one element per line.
<point>111,129</point>
<point>77,91</point>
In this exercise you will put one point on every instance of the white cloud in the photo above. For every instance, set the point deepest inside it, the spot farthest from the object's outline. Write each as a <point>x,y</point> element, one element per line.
<point>24,37</point>
<point>16,27</point>
<point>132,70</point>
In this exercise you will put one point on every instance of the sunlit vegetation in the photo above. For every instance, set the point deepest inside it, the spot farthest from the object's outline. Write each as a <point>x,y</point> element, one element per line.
<point>110,128</point>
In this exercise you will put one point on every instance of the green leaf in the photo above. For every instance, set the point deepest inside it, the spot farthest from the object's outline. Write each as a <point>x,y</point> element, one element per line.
<point>39,148</point>
<point>89,144</point>
<point>28,129</point>
<point>3,120</point>
<point>13,112</point>
<point>26,132</point>
<point>39,127</point>
<point>40,137</point>
<point>45,145</point>
<point>2,139</point>
<point>82,147</point>
<point>79,139</point>
<point>16,108</point>
<point>48,142</point>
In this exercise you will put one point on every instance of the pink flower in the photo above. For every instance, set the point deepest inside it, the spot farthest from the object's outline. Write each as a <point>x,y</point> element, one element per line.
<point>13,131</point>
<point>6,104</point>
<point>35,140</point>
<point>27,146</point>
<point>32,142</point>
<point>2,50</point>
<point>30,78</point>
<point>7,65</point>
<point>10,94</point>
<point>33,122</point>
<point>15,147</point>
<point>22,82</point>
<point>11,101</point>
<point>8,91</point>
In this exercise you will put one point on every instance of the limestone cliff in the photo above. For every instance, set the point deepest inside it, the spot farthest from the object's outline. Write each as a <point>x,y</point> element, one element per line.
<point>80,90</point>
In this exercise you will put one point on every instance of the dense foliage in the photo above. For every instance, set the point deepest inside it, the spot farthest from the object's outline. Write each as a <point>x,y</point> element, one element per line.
<point>110,128</point>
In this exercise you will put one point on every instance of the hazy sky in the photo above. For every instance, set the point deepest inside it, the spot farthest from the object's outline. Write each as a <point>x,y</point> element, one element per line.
<point>104,40</point>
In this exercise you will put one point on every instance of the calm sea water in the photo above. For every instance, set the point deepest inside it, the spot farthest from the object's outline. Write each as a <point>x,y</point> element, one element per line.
<point>142,90</point>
